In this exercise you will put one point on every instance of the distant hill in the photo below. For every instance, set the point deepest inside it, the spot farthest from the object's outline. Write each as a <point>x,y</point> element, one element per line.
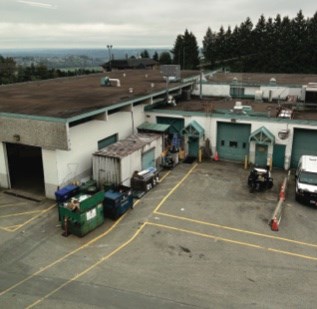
<point>74,57</point>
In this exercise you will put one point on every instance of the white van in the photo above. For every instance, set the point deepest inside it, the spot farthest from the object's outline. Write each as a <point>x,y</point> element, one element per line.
<point>306,180</point>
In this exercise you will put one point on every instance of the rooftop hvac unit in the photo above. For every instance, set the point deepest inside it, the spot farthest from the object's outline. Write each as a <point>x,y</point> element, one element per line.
<point>238,108</point>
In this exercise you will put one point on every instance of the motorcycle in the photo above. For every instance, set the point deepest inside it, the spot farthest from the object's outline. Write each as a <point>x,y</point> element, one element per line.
<point>260,179</point>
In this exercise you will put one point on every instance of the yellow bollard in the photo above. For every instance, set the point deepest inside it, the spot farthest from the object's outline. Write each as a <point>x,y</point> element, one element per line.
<point>200,155</point>
<point>246,163</point>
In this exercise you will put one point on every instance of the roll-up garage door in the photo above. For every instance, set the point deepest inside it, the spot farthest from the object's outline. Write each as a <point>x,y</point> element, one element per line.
<point>304,143</point>
<point>233,141</point>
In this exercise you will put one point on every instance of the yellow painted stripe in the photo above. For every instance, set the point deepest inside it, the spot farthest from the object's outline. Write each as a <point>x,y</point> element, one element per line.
<point>238,230</point>
<point>33,218</point>
<point>13,205</point>
<point>66,255</point>
<point>104,258</point>
<point>174,189</point>
<point>10,228</point>
<point>313,258</point>
<point>21,214</point>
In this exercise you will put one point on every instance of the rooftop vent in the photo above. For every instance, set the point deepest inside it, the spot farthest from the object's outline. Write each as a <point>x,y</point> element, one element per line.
<point>238,108</point>
<point>272,81</point>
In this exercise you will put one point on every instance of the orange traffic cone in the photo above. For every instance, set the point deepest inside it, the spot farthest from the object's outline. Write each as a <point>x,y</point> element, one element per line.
<point>274,224</point>
<point>216,157</point>
<point>282,193</point>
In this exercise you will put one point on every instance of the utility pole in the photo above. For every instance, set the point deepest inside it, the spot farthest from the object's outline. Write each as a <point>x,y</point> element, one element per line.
<point>110,57</point>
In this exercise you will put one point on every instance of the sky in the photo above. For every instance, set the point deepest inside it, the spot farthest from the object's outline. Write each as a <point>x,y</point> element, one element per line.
<point>126,24</point>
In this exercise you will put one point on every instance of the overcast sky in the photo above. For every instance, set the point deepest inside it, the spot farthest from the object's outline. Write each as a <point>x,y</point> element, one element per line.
<point>137,23</point>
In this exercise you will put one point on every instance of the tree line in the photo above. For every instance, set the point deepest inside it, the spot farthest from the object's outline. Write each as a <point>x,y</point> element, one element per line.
<point>10,72</point>
<point>279,45</point>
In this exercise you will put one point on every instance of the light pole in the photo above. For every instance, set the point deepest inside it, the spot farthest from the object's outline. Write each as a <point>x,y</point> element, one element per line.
<point>110,58</point>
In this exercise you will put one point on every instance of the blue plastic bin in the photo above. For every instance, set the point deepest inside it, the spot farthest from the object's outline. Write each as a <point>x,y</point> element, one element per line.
<point>65,193</point>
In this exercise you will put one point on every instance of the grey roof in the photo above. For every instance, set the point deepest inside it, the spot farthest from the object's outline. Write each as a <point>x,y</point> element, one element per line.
<point>66,98</point>
<point>153,127</point>
<point>125,147</point>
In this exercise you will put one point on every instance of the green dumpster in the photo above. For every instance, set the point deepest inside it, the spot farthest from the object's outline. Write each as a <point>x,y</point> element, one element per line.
<point>82,214</point>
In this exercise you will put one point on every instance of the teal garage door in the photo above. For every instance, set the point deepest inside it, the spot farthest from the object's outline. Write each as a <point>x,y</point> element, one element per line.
<point>176,124</point>
<point>304,143</point>
<point>233,141</point>
<point>148,159</point>
<point>279,155</point>
<point>193,147</point>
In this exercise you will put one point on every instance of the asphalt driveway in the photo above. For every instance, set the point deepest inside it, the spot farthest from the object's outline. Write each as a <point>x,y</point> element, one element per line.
<point>197,240</point>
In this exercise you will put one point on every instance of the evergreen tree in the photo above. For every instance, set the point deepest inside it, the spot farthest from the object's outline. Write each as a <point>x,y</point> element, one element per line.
<point>145,54</point>
<point>312,44</point>
<point>228,48</point>
<point>191,51</point>
<point>186,51</point>
<point>8,70</point>
<point>155,56</point>
<point>208,49</point>
<point>299,35</point>
<point>165,58</point>
<point>177,50</point>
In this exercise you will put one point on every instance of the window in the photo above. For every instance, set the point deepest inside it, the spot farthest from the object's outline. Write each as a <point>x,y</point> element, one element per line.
<point>233,144</point>
<point>107,141</point>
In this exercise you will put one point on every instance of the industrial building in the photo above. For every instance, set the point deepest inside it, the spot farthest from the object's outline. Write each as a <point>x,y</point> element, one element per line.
<point>51,130</point>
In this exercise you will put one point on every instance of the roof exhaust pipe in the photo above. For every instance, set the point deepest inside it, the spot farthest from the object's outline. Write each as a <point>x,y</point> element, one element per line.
<point>117,81</point>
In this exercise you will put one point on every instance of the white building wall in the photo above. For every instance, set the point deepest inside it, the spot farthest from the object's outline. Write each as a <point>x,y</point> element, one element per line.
<point>212,90</point>
<point>210,126</point>
<point>4,177</point>
<point>62,167</point>
<point>51,179</point>
<point>250,91</point>
<point>279,92</point>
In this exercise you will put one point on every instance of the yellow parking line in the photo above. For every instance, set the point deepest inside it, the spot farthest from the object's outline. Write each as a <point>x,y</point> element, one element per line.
<point>174,189</point>
<point>66,255</point>
<point>104,258</point>
<point>238,230</point>
<point>21,214</point>
<point>10,228</point>
<point>11,205</point>
<point>246,244</point>
<point>33,218</point>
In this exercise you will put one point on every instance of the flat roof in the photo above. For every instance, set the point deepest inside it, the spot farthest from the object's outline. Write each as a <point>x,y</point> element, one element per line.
<point>221,105</point>
<point>263,78</point>
<point>154,127</point>
<point>69,97</point>
<point>127,146</point>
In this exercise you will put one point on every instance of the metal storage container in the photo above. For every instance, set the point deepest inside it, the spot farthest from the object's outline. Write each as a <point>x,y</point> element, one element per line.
<point>145,180</point>
<point>117,201</point>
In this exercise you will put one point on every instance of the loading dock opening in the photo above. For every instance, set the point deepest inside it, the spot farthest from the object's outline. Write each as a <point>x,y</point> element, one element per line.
<point>25,168</point>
